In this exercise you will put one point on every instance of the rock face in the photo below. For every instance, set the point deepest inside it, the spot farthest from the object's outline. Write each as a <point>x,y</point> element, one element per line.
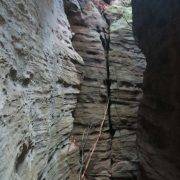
<point>41,76</point>
<point>157,31</point>
<point>38,88</point>
<point>113,68</point>
<point>92,100</point>
<point>126,66</point>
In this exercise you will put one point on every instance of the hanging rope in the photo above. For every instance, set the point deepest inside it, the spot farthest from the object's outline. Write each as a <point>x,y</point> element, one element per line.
<point>96,142</point>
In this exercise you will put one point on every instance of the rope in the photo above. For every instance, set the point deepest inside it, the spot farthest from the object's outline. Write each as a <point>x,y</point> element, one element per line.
<point>96,142</point>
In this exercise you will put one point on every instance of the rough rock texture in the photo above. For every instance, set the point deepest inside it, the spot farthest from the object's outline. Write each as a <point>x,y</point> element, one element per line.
<point>40,79</point>
<point>126,66</point>
<point>157,27</point>
<point>92,100</point>
<point>38,88</point>
<point>113,68</point>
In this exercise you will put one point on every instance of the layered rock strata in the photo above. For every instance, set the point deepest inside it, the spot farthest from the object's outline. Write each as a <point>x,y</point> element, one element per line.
<point>112,71</point>
<point>90,28</point>
<point>126,66</point>
<point>38,88</point>
<point>157,32</point>
<point>40,79</point>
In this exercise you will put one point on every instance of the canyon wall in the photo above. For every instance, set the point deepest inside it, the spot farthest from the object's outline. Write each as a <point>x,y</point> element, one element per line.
<point>90,28</point>
<point>38,88</point>
<point>67,66</point>
<point>156,28</point>
<point>112,72</point>
<point>126,66</point>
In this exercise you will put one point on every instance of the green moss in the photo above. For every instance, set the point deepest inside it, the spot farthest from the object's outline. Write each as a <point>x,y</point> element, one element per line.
<point>123,15</point>
<point>115,9</point>
<point>119,24</point>
<point>120,10</point>
<point>127,13</point>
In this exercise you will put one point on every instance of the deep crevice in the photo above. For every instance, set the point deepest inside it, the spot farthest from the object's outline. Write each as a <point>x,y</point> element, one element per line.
<point>24,149</point>
<point>106,45</point>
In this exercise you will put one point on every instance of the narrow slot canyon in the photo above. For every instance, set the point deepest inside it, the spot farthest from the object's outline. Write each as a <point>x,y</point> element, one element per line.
<point>112,74</point>
<point>89,90</point>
